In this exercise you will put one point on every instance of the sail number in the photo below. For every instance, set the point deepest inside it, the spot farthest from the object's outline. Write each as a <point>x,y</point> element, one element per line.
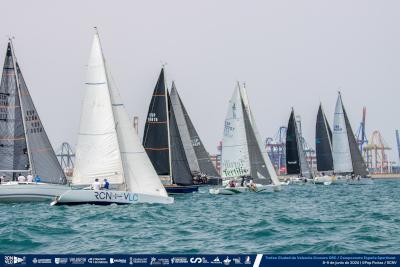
<point>104,195</point>
<point>337,128</point>
<point>152,117</point>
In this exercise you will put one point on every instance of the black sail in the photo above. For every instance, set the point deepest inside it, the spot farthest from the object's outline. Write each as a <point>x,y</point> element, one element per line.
<point>203,158</point>
<point>13,147</point>
<point>155,136</point>
<point>323,142</point>
<point>292,153</point>
<point>359,166</point>
<point>258,168</point>
<point>181,174</point>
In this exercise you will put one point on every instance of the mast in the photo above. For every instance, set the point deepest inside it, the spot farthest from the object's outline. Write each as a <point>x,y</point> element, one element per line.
<point>22,108</point>
<point>168,126</point>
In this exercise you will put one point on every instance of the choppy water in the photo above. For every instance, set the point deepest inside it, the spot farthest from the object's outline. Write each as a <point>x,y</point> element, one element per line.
<point>299,219</point>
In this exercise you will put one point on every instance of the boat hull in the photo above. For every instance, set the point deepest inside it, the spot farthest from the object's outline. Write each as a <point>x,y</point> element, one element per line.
<point>244,189</point>
<point>30,192</point>
<point>352,181</point>
<point>107,197</point>
<point>324,180</point>
<point>180,189</point>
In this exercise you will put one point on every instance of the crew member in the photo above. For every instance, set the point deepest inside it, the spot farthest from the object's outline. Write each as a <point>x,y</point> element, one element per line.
<point>21,178</point>
<point>29,178</point>
<point>96,184</point>
<point>106,184</point>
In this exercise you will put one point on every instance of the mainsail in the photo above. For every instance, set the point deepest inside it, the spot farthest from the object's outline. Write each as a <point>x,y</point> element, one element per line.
<point>135,172</point>
<point>347,157</point>
<point>296,160</point>
<point>241,145</point>
<point>162,140</point>
<point>196,154</point>
<point>24,145</point>
<point>323,142</point>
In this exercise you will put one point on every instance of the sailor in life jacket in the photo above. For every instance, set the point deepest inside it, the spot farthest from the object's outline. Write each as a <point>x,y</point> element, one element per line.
<point>106,184</point>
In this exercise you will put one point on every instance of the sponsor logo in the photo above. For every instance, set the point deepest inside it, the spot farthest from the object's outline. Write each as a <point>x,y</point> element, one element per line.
<point>179,260</point>
<point>137,260</point>
<point>98,260</point>
<point>247,261</point>
<point>195,141</point>
<point>159,261</point>
<point>41,261</point>
<point>196,260</point>
<point>77,260</point>
<point>14,260</point>
<point>237,260</point>
<point>113,260</point>
<point>227,261</point>
<point>216,261</point>
<point>60,260</point>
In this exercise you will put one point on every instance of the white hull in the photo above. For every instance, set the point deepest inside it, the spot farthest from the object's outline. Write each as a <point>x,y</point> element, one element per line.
<point>325,180</point>
<point>300,180</point>
<point>243,189</point>
<point>352,181</point>
<point>107,197</point>
<point>29,192</point>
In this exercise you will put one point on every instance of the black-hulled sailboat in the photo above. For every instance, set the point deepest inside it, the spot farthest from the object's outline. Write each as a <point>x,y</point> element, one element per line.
<point>296,162</point>
<point>163,144</point>
<point>323,149</point>
<point>348,164</point>
<point>198,158</point>
<point>25,149</point>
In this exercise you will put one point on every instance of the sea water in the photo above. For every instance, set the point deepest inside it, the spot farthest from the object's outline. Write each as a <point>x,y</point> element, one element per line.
<point>299,219</point>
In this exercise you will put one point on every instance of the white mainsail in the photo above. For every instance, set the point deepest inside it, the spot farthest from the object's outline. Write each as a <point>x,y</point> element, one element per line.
<point>135,170</point>
<point>97,150</point>
<point>270,167</point>
<point>340,142</point>
<point>235,155</point>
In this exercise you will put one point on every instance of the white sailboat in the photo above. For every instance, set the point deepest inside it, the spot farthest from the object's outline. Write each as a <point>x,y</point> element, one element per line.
<point>243,157</point>
<point>348,163</point>
<point>25,148</point>
<point>108,147</point>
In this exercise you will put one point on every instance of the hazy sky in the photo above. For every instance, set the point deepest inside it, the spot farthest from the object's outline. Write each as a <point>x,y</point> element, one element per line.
<point>290,53</point>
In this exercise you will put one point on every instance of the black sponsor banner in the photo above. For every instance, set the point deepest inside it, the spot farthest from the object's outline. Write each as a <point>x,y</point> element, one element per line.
<point>198,259</point>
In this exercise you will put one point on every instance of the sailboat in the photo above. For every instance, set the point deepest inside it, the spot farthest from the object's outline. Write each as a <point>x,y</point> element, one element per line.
<point>348,164</point>
<point>296,161</point>
<point>108,147</point>
<point>198,158</point>
<point>323,149</point>
<point>163,143</point>
<point>243,157</point>
<point>25,148</point>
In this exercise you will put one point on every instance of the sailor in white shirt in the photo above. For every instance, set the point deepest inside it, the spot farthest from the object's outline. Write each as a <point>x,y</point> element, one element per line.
<point>21,178</point>
<point>29,178</point>
<point>96,185</point>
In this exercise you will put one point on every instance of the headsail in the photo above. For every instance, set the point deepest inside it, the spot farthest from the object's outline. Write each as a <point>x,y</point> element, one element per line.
<point>359,166</point>
<point>181,173</point>
<point>235,154</point>
<point>197,156</point>
<point>260,165</point>
<point>43,159</point>
<point>340,141</point>
<point>323,142</point>
<point>156,133</point>
<point>24,145</point>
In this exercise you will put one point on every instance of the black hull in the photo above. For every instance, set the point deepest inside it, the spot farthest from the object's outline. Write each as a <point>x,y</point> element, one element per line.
<point>181,189</point>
